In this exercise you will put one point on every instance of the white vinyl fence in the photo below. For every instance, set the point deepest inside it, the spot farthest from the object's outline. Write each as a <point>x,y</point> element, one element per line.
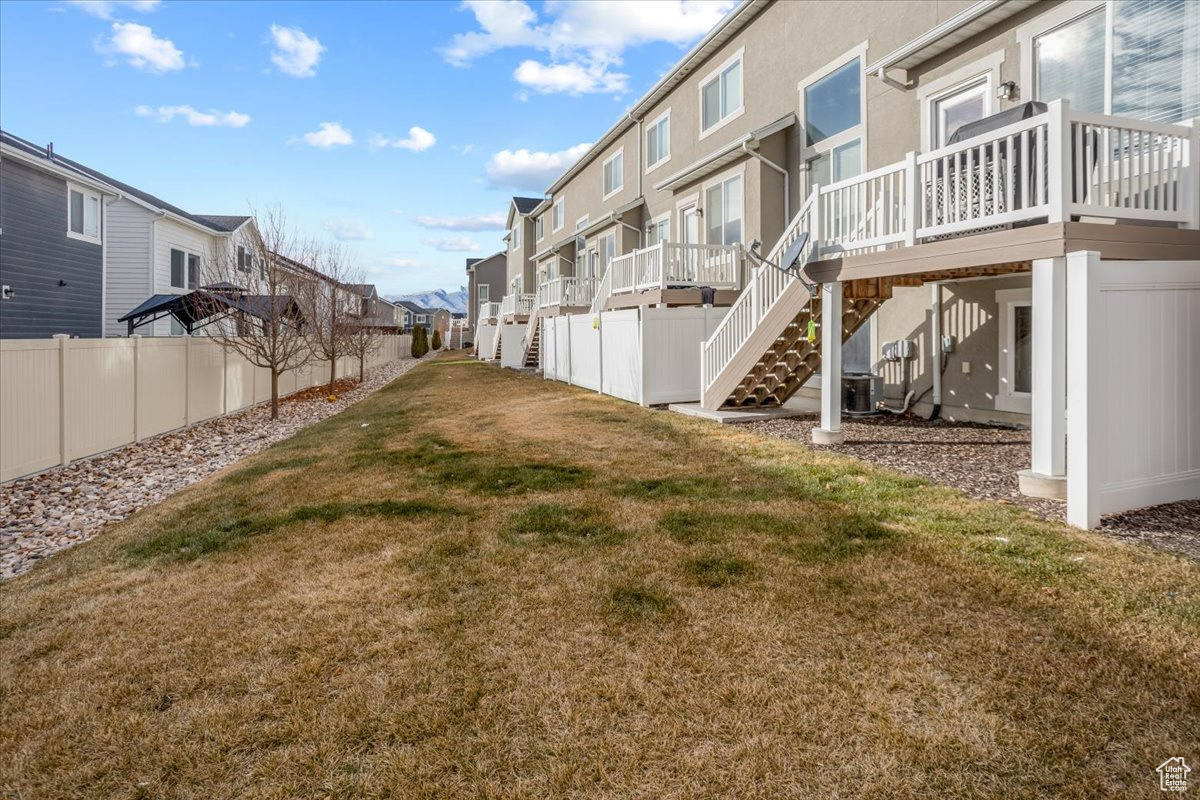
<point>645,355</point>
<point>63,399</point>
<point>1133,385</point>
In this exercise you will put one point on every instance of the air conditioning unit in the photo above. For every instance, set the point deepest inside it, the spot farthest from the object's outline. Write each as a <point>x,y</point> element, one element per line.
<point>860,393</point>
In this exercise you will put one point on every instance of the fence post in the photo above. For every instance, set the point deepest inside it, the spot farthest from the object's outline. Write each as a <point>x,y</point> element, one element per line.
<point>815,235</point>
<point>137,380</point>
<point>1058,161</point>
<point>187,380</point>
<point>63,429</point>
<point>1191,182</point>
<point>912,198</point>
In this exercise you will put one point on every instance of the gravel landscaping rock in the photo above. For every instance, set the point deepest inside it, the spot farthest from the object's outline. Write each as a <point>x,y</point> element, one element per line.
<point>982,461</point>
<point>45,513</point>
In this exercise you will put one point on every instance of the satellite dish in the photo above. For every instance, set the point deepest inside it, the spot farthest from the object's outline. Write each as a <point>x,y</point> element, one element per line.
<point>790,260</point>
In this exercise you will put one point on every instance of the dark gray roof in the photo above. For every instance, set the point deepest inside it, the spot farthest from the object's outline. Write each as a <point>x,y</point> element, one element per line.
<point>225,222</point>
<point>527,204</point>
<point>35,150</point>
<point>413,307</point>
<point>472,262</point>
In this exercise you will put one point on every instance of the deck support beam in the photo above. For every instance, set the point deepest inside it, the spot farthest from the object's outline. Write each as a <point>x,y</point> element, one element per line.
<point>1048,417</point>
<point>830,431</point>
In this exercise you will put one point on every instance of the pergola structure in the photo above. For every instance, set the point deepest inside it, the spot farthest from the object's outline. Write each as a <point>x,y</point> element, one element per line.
<point>202,307</point>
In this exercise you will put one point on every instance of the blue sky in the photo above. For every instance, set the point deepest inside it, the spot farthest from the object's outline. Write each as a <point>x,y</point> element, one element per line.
<point>400,129</point>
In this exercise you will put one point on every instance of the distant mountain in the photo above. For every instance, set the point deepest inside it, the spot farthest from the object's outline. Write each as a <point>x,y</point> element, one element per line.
<point>455,302</point>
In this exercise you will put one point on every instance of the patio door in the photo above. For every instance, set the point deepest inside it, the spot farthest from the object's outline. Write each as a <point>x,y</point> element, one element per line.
<point>689,233</point>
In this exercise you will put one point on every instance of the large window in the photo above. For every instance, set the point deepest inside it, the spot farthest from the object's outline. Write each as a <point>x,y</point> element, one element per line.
<point>614,169</point>
<point>185,269</point>
<point>658,141</point>
<point>539,228</point>
<point>957,107</point>
<point>83,214</point>
<point>516,232</point>
<point>1137,58</point>
<point>721,95</point>
<point>833,122</point>
<point>559,213</point>
<point>723,211</point>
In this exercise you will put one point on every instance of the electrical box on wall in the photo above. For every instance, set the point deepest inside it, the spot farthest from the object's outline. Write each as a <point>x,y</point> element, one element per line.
<point>899,350</point>
<point>947,344</point>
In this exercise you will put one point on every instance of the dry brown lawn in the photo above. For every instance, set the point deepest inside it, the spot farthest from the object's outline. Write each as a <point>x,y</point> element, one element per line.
<point>478,584</point>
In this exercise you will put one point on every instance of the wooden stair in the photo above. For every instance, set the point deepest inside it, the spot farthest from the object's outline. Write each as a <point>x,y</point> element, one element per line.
<point>790,360</point>
<point>533,344</point>
<point>497,345</point>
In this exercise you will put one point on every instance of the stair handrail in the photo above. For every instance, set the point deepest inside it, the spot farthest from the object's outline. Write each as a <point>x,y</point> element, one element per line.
<point>766,285</point>
<point>604,290</point>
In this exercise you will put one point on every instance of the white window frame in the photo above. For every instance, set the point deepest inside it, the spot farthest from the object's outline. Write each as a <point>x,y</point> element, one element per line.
<point>516,232</point>
<point>87,194</point>
<point>933,92</point>
<point>483,292</point>
<point>716,75</point>
<point>659,220</point>
<point>1006,398</point>
<point>559,215</point>
<point>1056,18</point>
<point>719,180</point>
<point>187,255</point>
<point>653,125</point>
<point>581,223</point>
<point>617,187</point>
<point>539,228</point>
<point>826,146</point>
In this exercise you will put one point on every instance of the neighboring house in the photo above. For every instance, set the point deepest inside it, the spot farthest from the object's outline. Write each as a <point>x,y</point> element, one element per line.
<point>375,311</point>
<point>927,233</point>
<point>439,320</point>
<point>520,275</point>
<point>54,245</point>
<point>486,282</point>
<point>416,316</point>
<point>151,246</point>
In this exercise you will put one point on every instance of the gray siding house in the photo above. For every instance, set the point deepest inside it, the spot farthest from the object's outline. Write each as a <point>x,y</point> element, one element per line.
<point>487,279</point>
<point>52,245</point>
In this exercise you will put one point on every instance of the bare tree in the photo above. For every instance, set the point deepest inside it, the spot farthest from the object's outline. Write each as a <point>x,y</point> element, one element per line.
<point>336,303</point>
<point>261,289</point>
<point>362,333</point>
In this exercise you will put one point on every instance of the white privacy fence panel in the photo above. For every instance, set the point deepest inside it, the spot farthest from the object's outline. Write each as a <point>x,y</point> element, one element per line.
<point>621,354</point>
<point>671,340</point>
<point>1133,385</point>
<point>512,344</point>
<point>65,399</point>
<point>584,357</point>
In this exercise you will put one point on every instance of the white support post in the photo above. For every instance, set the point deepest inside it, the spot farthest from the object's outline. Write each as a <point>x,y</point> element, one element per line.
<point>1085,365</point>
<point>912,198</point>
<point>1190,188</point>
<point>1058,161</point>
<point>830,431</point>
<point>64,455</point>
<point>1048,419</point>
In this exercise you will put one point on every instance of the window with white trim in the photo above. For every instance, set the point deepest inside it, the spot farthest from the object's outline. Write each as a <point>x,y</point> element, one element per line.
<point>955,107</point>
<point>723,211</point>
<point>539,228</point>
<point>483,291</point>
<point>658,230</point>
<point>1133,58</point>
<point>832,105</point>
<point>245,259</point>
<point>185,269</point>
<point>1015,388</point>
<point>559,213</point>
<point>658,141</point>
<point>516,233</point>
<point>83,214</point>
<point>581,223</point>
<point>721,95</point>
<point>614,173</point>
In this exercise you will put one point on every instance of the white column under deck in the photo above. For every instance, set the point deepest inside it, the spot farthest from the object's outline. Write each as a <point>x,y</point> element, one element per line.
<point>830,431</point>
<point>1048,419</point>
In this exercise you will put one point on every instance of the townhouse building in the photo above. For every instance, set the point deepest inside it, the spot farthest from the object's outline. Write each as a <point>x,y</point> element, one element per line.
<point>486,282</point>
<point>918,174</point>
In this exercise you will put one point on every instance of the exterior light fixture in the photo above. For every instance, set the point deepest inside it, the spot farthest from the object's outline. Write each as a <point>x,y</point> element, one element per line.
<point>1007,90</point>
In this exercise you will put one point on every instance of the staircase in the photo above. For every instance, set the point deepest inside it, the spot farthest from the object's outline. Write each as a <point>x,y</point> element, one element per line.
<point>533,343</point>
<point>496,345</point>
<point>760,354</point>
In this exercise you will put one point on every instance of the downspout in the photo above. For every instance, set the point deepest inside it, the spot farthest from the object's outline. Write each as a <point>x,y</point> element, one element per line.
<point>787,213</point>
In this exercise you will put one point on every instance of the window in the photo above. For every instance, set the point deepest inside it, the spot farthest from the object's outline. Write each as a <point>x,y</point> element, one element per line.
<point>83,214</point>
<point>581,223</point>
<point>607,249</point>
<point>614,178</point>
<point>484,292</point>
<point>721,95</point>
<point>658,231</point>
<point>539,229</point>
<point>658,141</point>
<point>957,107</point>
<point>1137,58</point>
<point>831,102</point>
<point>245,261</point>
<point>516,233</point>
<point>1016,350</point>
<point>185,269</point>
<point>559,213</point>
<point>723,211</point>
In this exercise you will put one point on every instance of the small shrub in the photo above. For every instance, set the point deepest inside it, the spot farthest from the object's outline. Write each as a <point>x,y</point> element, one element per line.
<point>420,342</point>
<point>437,340</point>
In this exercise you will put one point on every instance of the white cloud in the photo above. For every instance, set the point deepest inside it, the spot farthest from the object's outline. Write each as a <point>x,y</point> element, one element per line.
<point>296,53</point>
<point>197,119</point>
<point>478,222</point>
<point>141,48</point>
<point>418,139</point>
<point>453,244</point>
<point>330,134</point>
<point>531,170</point>
<point>405,263</point>
<point>105,9</point>
<point>573,78</point>
<point>349,230</point>
<point>584,38</point>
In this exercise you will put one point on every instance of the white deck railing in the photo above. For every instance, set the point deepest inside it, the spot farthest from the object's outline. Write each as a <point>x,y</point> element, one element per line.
<point>1049,167</point>
<point>488,311</point>
<point>517,304</point>
<point>669,264</point>
<point>567,292</point>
